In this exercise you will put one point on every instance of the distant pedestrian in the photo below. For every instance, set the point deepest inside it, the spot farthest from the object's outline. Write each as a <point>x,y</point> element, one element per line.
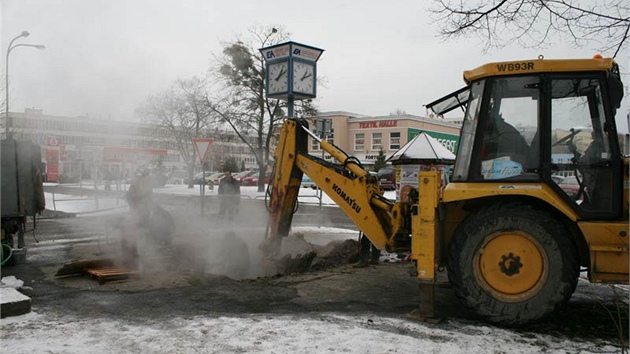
<point>108,180</point>
<point>229,194</point>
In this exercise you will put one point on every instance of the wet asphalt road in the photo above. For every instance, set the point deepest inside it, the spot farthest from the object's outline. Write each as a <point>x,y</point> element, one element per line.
<point>59,240</point>
<point>56,241</point>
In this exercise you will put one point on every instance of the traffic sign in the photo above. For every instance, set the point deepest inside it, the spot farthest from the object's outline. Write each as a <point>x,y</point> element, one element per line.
<point>202,146</point>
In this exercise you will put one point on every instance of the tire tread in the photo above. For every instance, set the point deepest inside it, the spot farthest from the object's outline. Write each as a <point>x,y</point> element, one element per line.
<point>482,303</point>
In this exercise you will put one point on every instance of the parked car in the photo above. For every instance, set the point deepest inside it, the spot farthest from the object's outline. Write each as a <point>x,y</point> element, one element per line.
<point>196,179</point>
<point>387,178</point>
<point>571,186</point>
<point>243,174</point>
<point>557,178</point>
<point>253,179</point>
<point>214,178</point>
<point>307,182</point>
<point>198,176</point>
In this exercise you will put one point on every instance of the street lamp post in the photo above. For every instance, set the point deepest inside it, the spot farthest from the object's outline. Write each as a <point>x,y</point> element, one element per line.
<point>25,34</point>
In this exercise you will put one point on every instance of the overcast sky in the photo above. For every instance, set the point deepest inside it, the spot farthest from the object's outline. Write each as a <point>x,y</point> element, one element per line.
<point>104,57</point>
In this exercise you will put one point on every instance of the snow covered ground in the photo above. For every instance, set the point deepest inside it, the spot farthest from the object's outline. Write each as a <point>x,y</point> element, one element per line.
<point>42,332</point>
<point>270,333</point>
<point>76,204</point>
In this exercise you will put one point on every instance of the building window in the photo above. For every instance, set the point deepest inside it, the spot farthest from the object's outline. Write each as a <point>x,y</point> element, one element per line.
<point>359,142</point>
<point>314,143</point>
<point>394,140</point>
<point>377,141</point>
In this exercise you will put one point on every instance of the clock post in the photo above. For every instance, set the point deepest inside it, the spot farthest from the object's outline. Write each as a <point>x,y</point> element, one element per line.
<point>291,72</point>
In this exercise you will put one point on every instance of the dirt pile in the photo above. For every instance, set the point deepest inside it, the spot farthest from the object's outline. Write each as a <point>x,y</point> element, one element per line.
<point>335,254</point>
<point>331,255</point>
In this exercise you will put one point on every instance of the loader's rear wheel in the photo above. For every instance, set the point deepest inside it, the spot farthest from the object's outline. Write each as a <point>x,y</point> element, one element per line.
<point>512,264</point>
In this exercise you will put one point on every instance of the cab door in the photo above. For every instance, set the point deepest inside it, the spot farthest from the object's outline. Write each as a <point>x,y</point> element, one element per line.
<point>582,151</point>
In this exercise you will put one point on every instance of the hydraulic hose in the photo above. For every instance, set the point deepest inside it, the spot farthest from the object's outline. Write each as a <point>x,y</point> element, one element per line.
<point>268,194</point>
<point>268,189</point>
<point>2,253</point>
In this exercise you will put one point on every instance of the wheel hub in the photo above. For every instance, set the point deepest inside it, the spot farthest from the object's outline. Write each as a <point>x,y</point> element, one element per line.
<point>511,265</point>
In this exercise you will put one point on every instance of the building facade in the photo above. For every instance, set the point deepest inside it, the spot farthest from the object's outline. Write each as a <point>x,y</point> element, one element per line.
<point>365,136</point>
<point>80,147</point>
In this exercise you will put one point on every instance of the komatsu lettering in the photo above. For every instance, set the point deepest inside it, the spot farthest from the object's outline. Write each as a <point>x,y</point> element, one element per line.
<point>346,198</point>
<point>524,66</point>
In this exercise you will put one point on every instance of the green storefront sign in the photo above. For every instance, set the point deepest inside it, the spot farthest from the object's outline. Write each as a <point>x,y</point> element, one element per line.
<point>449,140</point>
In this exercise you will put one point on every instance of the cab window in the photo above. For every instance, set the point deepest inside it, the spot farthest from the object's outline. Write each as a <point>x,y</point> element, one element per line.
<point>509,144</point>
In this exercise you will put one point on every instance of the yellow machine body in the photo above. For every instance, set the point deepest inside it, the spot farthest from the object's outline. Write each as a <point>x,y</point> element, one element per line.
<point>513,266</point>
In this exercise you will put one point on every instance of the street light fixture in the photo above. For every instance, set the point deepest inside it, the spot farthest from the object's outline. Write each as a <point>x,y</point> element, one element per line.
<point>24,34</point>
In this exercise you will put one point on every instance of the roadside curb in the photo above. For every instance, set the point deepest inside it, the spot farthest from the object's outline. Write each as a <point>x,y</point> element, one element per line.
<point>13,302</point>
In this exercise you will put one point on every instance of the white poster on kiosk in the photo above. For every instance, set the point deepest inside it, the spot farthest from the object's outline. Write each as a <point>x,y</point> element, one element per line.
<point>407,177</point>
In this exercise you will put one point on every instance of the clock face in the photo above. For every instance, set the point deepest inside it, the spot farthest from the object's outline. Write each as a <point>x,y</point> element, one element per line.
<point>278,78</point>
<point>304,78</point>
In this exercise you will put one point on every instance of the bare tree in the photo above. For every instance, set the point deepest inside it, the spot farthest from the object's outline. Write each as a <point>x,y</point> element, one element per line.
<point>534,23</point>
<point>182,110</point>
<point>242,103</point>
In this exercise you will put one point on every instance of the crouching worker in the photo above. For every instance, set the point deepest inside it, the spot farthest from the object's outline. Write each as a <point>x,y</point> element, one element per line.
<point>154,219</point>
<point>229,195</point>
<point>234,257</point>
<point>161,226</point>
<point>140,197</point>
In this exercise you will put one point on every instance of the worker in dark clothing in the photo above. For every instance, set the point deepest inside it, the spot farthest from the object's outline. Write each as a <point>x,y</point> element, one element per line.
<point>229,194</point>
<point>503,139</point>
<point>140,197</point>
<point>595,183</point>
<point>368,253</point>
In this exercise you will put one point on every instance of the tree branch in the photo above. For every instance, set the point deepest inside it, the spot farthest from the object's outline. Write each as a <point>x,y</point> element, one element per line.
<point>604,24</point>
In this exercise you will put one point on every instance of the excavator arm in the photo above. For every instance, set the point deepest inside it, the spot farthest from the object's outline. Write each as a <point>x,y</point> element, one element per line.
<point>350,186</point>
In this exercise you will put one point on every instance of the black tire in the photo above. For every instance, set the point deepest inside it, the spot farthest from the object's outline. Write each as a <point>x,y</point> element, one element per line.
<point>512,264</point>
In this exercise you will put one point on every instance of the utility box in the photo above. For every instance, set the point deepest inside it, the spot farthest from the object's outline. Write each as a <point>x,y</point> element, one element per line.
<point>22,190</point>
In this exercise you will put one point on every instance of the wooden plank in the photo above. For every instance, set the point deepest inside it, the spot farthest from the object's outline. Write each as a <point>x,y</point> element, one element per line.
<point>110,274</point>
<point>78,267</point>
<point>110,271</point>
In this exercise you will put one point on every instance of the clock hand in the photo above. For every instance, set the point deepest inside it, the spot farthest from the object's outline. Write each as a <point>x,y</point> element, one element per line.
<point>279,75</point>
<point>306,76</point>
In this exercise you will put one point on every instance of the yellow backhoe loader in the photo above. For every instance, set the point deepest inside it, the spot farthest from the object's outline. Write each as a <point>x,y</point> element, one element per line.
<point>511,235</point>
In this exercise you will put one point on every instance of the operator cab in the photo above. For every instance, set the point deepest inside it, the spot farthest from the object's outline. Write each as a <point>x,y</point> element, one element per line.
<point>534,121</point>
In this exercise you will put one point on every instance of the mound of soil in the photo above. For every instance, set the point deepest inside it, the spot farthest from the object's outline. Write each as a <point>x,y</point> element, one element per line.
<point>335,254</point>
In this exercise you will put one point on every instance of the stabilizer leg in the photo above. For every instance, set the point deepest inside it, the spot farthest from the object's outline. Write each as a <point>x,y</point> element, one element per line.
<point>426,311</point>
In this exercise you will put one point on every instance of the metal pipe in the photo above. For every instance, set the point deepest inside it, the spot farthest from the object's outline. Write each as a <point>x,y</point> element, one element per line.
<point>339,155</point>
<point>7,124</point>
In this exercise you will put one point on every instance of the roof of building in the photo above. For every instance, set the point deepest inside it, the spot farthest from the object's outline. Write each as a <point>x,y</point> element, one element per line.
<point>412,117</point>
<point>340,113</point>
